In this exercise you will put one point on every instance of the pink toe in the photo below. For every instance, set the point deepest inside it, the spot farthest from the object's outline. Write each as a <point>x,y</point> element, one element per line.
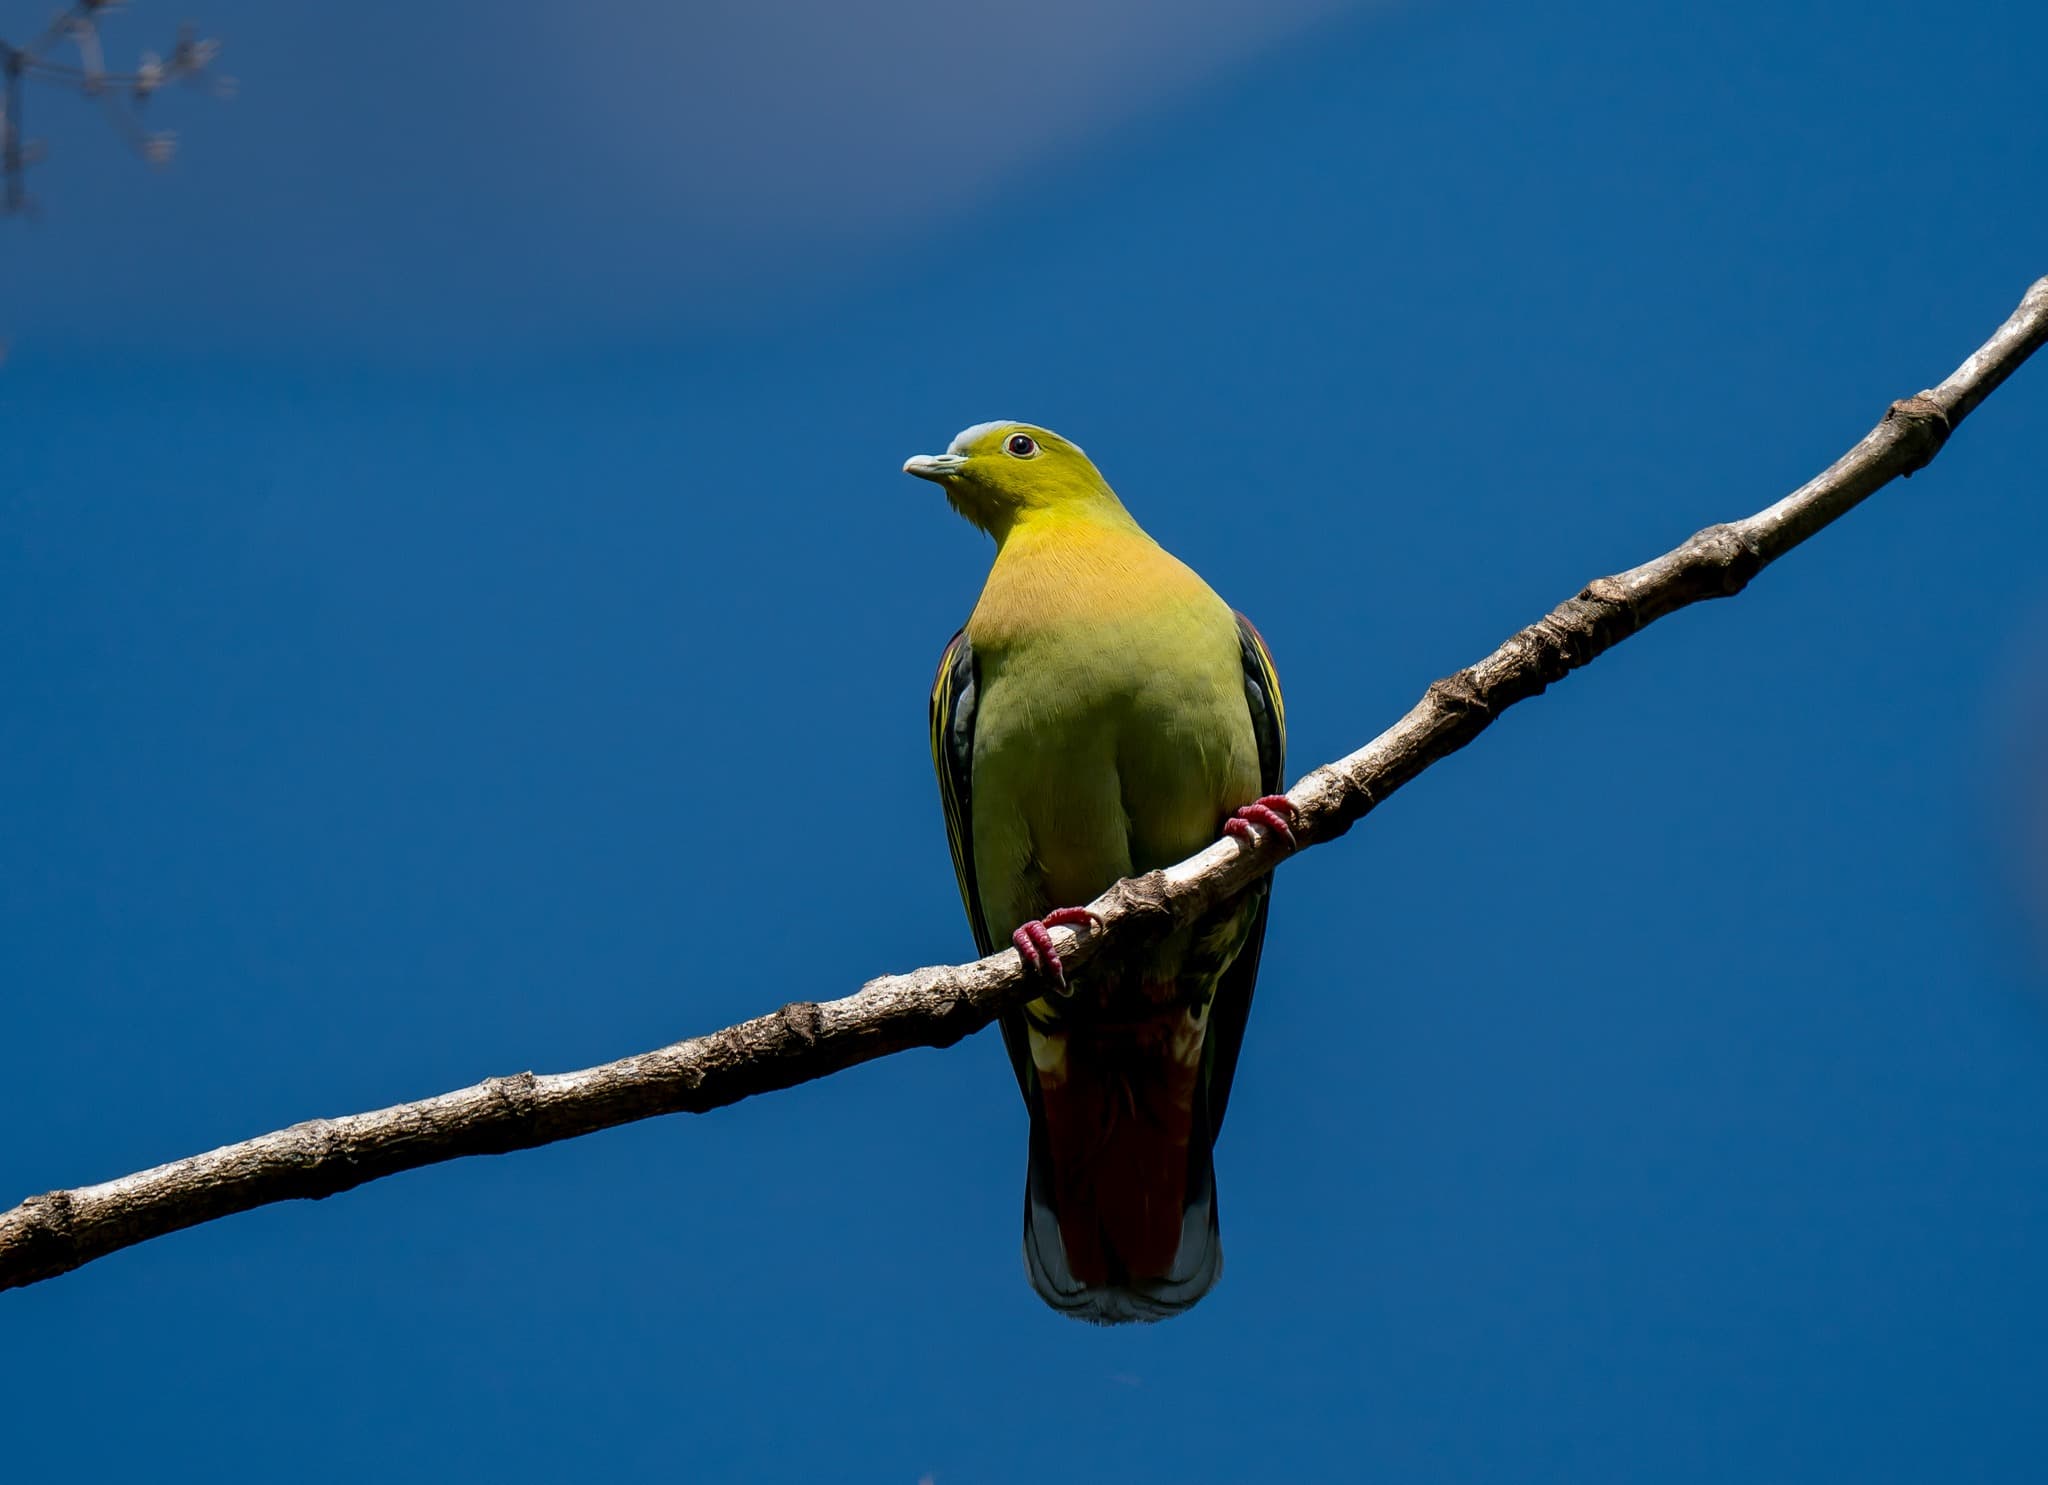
<point>1270,812</point>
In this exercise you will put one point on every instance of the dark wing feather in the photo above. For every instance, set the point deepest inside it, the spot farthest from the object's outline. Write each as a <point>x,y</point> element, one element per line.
<point>955,690</point>
<point>955,693</point>
<point>1269,712</point>
<point>1233,1004</point>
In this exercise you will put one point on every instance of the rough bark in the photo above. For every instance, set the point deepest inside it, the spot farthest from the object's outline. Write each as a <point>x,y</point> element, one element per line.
<point>52,1234</point>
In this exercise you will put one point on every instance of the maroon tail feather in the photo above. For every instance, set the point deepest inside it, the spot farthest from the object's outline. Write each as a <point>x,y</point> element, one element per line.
<point>1120,1211</point>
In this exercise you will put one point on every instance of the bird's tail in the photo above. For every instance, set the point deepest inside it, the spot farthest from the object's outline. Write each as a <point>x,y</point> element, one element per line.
<point>1120,1203</point>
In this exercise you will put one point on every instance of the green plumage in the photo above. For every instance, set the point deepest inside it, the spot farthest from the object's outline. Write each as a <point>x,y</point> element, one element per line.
<point>1101,715</point>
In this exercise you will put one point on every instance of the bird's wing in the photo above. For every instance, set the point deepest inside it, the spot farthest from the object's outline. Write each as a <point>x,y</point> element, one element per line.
<point>1232,1006</point>
<point>956,693</point>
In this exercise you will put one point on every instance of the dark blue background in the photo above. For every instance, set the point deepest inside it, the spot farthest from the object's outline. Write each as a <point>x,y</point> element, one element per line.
<point>459,612</point>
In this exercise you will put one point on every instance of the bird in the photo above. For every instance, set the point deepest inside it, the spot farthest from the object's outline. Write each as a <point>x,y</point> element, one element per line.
<point>1101,714</point>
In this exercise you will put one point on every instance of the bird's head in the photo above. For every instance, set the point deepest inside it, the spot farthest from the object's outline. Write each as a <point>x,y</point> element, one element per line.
<point>998,474</point>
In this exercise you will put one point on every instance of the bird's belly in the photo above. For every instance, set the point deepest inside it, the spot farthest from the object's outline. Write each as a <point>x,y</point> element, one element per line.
<point>1117,772</point>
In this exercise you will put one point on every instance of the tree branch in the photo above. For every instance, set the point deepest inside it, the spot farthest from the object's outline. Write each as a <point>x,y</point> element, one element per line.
<point>123,94</point>
<point>52,1234</point>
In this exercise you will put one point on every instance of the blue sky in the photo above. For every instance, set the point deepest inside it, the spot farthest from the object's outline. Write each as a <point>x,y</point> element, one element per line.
<point>462,614</point>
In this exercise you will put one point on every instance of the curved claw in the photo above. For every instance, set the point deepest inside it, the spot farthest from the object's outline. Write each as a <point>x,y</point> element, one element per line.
<point>1272,812</point>
<point>1034,942</point>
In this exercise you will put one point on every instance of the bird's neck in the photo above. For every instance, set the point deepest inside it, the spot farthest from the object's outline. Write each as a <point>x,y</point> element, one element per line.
<point>1056,568</point>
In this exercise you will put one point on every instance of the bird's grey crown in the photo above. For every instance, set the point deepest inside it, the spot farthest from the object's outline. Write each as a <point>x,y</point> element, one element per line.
<point>967,436</point>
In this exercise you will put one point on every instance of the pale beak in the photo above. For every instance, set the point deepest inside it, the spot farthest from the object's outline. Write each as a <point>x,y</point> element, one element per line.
<point>935,466</point>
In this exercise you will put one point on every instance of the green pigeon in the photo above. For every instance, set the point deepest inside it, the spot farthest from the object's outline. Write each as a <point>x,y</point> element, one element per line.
<point>1102,714</point>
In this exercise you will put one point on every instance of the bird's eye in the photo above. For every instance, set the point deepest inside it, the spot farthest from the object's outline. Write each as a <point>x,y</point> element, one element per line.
<point>1022,445</point>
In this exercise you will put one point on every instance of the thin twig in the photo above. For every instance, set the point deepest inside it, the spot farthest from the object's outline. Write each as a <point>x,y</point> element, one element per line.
<point>121,94</point>
<point>52,1234</point>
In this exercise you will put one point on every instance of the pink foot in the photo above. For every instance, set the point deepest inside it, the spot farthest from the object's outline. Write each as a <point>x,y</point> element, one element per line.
<point>1034,943</point>
<point>1273,812</point>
